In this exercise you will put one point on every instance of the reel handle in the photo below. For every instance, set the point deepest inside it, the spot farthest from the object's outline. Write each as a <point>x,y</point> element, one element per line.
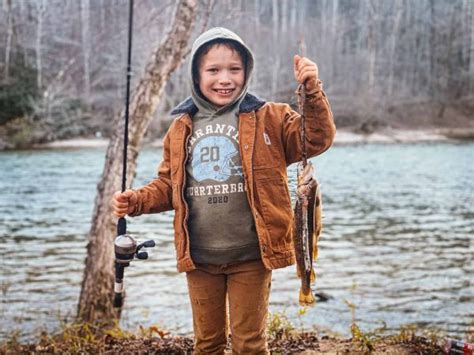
<point>148,244</point>
<point>143,255</point>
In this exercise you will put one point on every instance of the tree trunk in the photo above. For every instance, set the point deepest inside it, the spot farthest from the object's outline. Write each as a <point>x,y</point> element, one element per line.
<point>41,9</point>
<point>433,78</point>
<point>8,46</point>
<point>293,8</point>
<point>393,46</point>
<point>471,51</point>
<point>371,46</point>
<point>86,47</point>
<point>95,303</point>
<point>334,40</point>
<point>275,36</point>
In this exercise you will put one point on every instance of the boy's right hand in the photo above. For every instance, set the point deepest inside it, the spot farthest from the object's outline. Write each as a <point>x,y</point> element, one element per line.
<point>306,72</point>
<point>124,203</point>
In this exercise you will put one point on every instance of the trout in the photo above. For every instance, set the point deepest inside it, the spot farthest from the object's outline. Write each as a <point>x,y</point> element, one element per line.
<point>306,230</point>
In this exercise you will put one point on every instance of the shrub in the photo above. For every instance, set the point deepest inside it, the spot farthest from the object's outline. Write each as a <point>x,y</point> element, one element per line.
<point>18,92</point>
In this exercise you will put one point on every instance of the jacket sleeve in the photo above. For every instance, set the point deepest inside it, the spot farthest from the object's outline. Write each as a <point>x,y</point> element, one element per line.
<point>156,196</point>
<point>320,128</point>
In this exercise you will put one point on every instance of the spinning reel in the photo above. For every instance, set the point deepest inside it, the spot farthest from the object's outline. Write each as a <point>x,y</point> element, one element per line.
<point>126,249</point>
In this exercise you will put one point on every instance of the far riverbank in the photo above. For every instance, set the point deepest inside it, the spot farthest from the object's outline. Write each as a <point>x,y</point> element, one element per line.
<point>343,137</point>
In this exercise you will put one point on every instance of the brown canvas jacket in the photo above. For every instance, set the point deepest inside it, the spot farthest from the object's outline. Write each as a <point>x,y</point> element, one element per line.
<point>270,140</point>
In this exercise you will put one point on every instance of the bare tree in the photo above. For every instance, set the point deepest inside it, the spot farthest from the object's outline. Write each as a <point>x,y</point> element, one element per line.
<point>393,44</point>
<point>371,45</point>
<point>385,51</point>
<point>97,287</point>
<point>470,24</point>
<point>86,46</point>
<point>41,9</point>
<point>10,30</point>
<point>275,36</point>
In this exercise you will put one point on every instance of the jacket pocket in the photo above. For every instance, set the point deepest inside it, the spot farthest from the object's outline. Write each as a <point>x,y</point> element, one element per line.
<point>266,151</point>
<point>276,209</point>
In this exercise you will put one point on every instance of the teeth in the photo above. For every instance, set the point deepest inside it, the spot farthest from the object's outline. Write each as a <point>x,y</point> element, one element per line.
<point>224,91</point>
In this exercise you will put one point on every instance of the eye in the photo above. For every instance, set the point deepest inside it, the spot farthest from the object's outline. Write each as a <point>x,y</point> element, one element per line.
<point>236,69</point>
<point>212,70</point>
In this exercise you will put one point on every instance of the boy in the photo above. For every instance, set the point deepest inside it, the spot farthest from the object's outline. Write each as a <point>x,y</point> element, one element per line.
<point>224,173</point>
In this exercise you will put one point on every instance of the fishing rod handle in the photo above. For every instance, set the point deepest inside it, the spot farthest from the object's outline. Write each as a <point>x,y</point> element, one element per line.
<point>118,286</point>
<point>122,226</point>
<point>118,300</point>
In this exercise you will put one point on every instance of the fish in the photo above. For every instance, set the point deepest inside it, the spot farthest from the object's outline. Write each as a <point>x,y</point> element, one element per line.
<point>307,229</point>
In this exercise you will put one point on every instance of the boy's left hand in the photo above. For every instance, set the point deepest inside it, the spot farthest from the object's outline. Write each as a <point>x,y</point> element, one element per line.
<point>306,72</point>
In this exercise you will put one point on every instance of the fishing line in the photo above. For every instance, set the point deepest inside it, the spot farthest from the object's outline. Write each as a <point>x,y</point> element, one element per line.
<point>301,92</point>
<point>301,97</point>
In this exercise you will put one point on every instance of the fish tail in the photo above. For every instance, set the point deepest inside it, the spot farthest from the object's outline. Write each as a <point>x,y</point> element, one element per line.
<point>306,299</point>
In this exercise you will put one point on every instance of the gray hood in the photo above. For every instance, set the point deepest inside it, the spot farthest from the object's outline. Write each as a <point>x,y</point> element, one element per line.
<point>201,102</point>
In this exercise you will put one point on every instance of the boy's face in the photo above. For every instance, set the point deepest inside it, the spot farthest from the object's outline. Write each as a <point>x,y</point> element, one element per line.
<point>221,75</point>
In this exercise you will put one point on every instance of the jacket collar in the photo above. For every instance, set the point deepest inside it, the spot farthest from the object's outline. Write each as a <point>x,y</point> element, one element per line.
<point>249,103</point>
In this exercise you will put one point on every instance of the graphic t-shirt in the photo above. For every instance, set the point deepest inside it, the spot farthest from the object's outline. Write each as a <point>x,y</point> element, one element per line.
<point>221,225</point>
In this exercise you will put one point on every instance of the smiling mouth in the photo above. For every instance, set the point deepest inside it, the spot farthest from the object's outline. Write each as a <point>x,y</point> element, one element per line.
<point>224,91</point>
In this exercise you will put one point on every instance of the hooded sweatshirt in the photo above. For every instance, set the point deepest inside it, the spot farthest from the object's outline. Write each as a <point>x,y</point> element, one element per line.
<point>220,224</point>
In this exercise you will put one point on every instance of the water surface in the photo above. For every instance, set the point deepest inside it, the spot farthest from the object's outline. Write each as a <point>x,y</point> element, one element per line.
<point>397,241</point>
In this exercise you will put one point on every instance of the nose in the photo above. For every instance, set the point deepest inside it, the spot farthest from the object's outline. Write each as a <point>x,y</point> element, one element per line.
<point>224,78</point>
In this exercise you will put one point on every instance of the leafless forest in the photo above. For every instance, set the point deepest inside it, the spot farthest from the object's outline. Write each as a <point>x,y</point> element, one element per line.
<point>390,62</point>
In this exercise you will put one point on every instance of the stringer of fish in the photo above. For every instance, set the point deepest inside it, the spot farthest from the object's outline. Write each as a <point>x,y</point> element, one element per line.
<point>306,231</point>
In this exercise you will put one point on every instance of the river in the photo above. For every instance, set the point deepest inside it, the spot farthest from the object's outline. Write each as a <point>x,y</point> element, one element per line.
<point>397,242</point>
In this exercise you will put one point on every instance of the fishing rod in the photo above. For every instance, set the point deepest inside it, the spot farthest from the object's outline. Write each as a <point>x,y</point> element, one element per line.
<point>126,246</point>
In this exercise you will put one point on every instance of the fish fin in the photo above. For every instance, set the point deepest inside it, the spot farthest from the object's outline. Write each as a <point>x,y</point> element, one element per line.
<point>315,247</point>
<point>312,277</point>
<point>318,213</point>
<point>317,231</point>
<point>308,299</point>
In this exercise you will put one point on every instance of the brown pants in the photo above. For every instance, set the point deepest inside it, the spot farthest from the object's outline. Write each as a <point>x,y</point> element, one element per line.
<point>246,287</point>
